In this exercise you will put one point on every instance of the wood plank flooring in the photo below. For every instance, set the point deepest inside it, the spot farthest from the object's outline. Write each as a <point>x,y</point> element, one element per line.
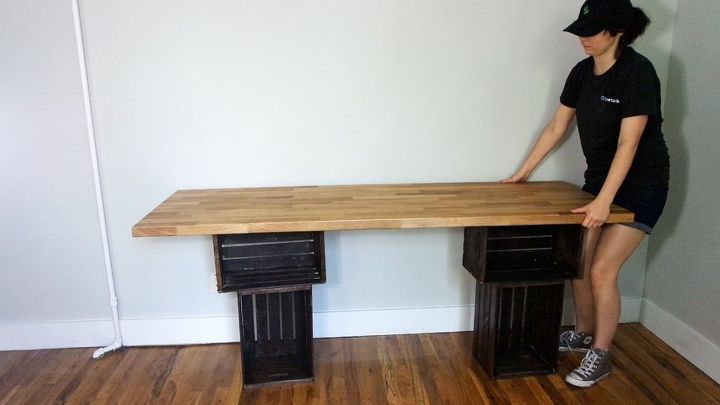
<point>403,369</point>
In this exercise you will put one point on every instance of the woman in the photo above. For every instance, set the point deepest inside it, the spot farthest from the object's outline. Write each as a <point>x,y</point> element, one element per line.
<point>615,95</point>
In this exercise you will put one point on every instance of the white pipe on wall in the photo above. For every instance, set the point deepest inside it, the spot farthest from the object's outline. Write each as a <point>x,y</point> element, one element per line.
<point>117,343</point>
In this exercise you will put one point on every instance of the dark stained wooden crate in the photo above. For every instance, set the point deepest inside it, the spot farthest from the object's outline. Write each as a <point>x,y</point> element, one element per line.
<point>260,260</point>
<point>516,327</point>
<point>276,335</point>
<point>514,253</point>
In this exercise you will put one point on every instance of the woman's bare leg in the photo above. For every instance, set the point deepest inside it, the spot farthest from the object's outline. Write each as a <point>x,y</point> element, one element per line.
<point>582,289</point>
<point>616,244</point>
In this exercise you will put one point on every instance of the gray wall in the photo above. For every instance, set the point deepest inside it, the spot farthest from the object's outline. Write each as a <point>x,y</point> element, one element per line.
<point>260,93</point>
<point>266,93</point>
<point>683,262</point>
<point>51,261</point>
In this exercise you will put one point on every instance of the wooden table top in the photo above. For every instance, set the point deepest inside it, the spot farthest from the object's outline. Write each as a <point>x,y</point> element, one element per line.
<point>330,208</point>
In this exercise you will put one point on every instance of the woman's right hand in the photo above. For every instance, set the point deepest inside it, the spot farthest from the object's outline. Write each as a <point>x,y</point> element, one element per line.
<point>550,137</point>
<point>519,177</point>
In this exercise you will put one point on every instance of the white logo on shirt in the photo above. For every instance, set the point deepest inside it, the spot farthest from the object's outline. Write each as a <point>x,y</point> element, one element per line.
<point>610,100</point>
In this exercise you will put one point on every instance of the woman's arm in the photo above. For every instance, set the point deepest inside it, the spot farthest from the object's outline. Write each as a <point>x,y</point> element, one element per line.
<point>597,212</point>
<point>549,138</point>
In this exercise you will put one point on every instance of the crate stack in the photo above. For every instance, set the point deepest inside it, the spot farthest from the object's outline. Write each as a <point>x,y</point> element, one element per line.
<point>520,273</point>
<point>272,274</point>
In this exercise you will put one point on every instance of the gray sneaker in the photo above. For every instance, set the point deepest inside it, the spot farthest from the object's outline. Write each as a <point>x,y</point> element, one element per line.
<point>594,367</point>
<point>571,341</point>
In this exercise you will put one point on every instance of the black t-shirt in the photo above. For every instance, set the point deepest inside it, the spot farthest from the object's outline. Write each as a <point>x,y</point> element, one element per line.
<point>630,88</point>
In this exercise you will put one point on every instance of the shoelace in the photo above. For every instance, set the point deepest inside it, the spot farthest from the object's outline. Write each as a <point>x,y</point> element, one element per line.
<point>570,336</point>
<point>588,365</point>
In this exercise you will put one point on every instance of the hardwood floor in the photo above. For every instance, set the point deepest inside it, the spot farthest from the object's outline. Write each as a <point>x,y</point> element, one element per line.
<point>403,369</point>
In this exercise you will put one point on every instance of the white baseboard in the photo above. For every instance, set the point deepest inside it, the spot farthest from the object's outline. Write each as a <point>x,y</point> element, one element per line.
<point>223,329</point>
<point>180,331</point>
<point>629,310</point>
<point>393,321</point>
<point>55,335</point>
<point>697,349</point>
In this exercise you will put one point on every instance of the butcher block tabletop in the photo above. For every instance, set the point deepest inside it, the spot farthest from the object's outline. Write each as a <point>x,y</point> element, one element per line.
<point>330,208</point>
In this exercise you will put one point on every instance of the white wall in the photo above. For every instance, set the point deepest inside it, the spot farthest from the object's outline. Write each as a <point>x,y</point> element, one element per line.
<point>683,261</point>
<point>271,93</point>
<point>51,262</point>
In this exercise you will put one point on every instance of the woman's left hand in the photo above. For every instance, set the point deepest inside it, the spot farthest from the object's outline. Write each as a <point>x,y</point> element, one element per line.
<point>596,213</point>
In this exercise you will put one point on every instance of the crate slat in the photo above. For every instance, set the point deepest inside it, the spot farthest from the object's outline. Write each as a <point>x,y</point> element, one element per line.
<point>271,249</point>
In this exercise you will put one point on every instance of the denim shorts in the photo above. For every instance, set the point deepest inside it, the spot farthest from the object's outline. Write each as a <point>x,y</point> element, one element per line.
<point>639,225</point>
<point>647,204</point>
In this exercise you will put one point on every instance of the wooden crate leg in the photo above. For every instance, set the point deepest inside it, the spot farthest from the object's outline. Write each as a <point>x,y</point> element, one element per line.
<point>276,335</point>
<point>516,327</point>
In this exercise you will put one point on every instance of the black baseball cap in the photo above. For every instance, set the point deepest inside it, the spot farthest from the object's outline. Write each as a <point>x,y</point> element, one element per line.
<point>598,15</point>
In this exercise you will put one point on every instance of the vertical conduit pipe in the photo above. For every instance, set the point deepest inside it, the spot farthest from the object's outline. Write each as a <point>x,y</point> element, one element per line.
<point>117,343</point>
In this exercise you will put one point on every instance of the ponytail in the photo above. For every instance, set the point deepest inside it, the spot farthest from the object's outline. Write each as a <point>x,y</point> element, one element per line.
<point>640,21</point>
<point>632,31</point>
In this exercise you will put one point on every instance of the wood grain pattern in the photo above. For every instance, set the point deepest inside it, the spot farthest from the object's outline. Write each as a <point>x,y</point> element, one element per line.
<point>327,208</point>
<point>402,369</point>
